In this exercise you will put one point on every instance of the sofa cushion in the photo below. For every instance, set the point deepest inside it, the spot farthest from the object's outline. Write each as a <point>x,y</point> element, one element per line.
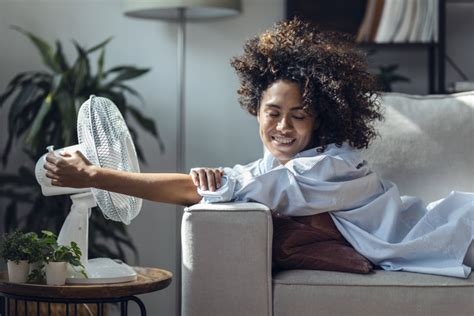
<point>302,292</point>
<point>426,143</point>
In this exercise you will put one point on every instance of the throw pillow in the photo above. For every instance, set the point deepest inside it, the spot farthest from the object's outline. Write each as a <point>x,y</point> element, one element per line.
<point>314,243</point>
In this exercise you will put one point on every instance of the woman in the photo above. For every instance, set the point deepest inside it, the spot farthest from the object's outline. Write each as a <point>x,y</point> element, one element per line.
<point>315,103</point>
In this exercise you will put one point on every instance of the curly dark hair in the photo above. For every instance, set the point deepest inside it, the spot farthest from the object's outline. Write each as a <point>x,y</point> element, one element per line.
<point>330,71</point>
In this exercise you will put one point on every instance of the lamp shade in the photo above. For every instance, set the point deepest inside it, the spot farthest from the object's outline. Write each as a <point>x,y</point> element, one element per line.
<point>168,9</point>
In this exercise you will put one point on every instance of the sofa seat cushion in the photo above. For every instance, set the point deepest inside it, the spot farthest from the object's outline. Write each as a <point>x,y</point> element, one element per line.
<point>302,292</point>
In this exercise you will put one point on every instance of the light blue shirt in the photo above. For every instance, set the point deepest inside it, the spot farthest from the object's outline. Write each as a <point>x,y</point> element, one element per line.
<point>397,233</point>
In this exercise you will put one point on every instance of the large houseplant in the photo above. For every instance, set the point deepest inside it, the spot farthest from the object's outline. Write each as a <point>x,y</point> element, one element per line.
<point>42,108</point>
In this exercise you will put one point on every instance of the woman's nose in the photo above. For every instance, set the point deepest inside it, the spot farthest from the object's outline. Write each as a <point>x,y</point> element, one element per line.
<point>284,124</point>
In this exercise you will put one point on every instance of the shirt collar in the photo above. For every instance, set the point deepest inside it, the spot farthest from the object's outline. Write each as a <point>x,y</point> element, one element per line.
<point>270,162</point>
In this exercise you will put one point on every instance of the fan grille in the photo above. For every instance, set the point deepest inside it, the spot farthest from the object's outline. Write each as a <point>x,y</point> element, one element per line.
<point>102,131</point>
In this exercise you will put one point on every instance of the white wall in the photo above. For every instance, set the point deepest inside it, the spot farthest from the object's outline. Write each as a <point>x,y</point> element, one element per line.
<point>219,133</point>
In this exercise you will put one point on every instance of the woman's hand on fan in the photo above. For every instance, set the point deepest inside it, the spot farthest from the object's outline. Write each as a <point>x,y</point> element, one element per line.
<point>71,169</point>
<point>207,178</point>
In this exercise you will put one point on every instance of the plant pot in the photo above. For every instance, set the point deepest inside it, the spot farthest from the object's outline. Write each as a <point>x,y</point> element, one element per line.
<point>56,273</point>
<point>18,272</point>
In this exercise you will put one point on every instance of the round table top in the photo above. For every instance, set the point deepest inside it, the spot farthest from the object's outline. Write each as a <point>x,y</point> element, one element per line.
<point>149,280</point>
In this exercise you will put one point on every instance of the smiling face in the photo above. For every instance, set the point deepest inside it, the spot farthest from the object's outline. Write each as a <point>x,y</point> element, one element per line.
<point>285,127</point>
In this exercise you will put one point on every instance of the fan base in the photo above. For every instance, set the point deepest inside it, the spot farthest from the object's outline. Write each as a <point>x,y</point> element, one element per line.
<point>103,271</point>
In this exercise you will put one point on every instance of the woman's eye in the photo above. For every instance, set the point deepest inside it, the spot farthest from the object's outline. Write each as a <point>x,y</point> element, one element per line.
<point>299,117</point>
<point>273,114</point>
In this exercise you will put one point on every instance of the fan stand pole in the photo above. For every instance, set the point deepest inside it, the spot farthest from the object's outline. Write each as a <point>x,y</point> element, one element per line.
<point>181,139</point>
<point>76,225</point>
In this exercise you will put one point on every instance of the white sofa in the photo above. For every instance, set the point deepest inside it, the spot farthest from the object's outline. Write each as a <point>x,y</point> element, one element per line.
<point>426,146</point>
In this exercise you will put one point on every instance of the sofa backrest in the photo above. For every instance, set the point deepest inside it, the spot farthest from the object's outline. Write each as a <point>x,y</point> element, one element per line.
<point>426,144</point>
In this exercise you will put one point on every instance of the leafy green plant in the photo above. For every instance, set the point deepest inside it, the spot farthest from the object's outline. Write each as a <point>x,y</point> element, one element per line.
<point>42,111</point>
<point>61,253</point>
<point>16,246</point>
<point>48,250</point>
<point>387,76</point>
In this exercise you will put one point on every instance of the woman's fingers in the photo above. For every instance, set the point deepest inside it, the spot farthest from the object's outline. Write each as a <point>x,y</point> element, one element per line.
<point>207,178</point>
<point>51,158</point>
<point>69,169</point>
<point>52,175</point>
<point>220,173</point>
<point>194,177</point>
<point>202,179</point>
<point>211,180</point>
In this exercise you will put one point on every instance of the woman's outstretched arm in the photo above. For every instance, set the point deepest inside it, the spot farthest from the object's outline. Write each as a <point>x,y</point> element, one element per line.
<point>74,170</point>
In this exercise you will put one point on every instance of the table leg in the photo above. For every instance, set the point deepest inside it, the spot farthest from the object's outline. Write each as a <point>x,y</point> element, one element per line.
<point>140,305</point>
<point>124,308</point>
<point>2,305</point>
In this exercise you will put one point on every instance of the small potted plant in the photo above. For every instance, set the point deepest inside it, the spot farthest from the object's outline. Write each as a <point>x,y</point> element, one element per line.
<point>18,249</point>
<point>58,257</point>
<point>37,260</point>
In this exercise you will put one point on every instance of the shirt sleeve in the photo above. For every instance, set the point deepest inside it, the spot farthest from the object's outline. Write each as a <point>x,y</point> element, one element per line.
<point>304,186</point>
<point>232,181</point>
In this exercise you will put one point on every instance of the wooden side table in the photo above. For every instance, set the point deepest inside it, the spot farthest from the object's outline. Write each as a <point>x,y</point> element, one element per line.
<point>20,295</point>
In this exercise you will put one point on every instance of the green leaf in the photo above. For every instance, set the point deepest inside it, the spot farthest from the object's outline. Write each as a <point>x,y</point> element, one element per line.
<point>38,121</point>
<point>81,69</point>
<point>399,78</point>
<point>117,98</point>
<point>14,84</point>
<point>59,58</point>
<point>68,117</point>
<point>118,69</point>
<point>127,74</point>
<point>43,47</point>
<point>26,115</point>
<point>147,124</point>
<point>138,148</point>
<point>100,66</point>
<point>131,91</point>
<point>21,100</point>
<point>99,46</point>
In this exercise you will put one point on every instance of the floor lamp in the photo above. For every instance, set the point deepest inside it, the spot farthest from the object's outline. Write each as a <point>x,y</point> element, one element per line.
<point>181,11</point>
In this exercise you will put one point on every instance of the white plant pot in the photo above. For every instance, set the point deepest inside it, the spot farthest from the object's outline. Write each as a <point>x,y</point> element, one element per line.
<point>18,272</point>
<point>56,273</point>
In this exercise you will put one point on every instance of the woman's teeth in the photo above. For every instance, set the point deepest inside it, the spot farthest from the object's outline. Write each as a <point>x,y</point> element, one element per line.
<point>283,140</point>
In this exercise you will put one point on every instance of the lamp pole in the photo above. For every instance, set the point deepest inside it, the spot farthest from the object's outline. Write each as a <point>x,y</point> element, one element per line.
<point>180,136</point>
<point>181,118</point>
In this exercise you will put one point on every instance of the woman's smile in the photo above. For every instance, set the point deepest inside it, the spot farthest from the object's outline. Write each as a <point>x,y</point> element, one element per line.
<point>282,140</point>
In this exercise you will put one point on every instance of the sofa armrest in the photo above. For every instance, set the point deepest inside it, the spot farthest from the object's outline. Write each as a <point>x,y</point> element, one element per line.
<point>226,259</point>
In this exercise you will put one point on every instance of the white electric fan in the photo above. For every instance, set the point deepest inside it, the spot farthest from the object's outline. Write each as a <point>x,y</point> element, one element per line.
<point>105,141</point>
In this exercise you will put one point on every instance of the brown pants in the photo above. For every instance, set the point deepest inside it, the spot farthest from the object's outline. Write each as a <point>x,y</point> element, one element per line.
<point>314,243</point>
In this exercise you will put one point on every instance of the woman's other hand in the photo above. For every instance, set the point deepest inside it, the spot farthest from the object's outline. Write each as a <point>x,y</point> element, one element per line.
<point>69,170</point>
<point>207,178</point>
